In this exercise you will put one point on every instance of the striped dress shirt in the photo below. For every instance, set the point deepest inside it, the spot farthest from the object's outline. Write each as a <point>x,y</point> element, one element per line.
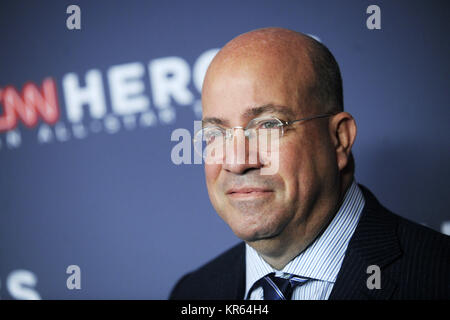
<point>321,261</point>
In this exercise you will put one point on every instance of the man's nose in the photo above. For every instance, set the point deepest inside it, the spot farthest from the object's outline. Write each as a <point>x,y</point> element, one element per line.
<point>241,154</point>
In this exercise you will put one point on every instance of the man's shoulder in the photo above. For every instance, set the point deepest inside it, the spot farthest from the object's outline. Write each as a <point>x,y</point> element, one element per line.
<point>221,263</point>
<point>422,271</point>
<point>414,256</point>
<point>418,240</point>
<point>413,237</point>
<point>220,278</point>
<point>409,233</point>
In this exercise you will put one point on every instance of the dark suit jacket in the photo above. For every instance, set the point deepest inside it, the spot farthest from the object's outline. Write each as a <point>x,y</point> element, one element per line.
<point>414,263</point>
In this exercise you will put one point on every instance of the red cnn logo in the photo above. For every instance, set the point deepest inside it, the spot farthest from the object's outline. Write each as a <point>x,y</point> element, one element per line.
<point>28,106</point>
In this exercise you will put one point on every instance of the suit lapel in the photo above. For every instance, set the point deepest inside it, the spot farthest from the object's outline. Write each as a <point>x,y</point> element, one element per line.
<point>239,272</point>
<point>373,243</point>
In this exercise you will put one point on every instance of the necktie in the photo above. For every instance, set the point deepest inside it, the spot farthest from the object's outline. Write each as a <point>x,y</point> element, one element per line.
<point>280,288</point>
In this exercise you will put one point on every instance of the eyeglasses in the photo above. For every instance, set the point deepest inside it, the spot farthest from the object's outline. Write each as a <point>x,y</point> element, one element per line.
<point>213,135</point>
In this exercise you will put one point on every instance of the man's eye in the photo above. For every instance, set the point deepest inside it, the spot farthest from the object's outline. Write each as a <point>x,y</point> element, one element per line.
<point>269,124</point>
<point>211,135</point>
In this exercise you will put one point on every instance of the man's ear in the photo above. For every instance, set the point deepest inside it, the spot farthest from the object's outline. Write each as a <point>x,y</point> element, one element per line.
<point>343,134</point>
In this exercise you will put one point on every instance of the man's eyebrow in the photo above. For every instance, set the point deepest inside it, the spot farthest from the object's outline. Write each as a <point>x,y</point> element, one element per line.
<point>214,120</point>
<point>268,108</point>
<point>252,113</point>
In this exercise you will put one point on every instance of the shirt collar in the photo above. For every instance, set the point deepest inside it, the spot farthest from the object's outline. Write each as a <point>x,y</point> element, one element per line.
<point>323,258</point>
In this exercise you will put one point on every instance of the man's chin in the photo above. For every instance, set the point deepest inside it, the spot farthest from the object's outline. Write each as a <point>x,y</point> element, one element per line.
<point>256,235</point>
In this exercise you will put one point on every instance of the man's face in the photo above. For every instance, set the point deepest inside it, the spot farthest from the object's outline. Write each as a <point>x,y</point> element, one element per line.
<point>259,206</point>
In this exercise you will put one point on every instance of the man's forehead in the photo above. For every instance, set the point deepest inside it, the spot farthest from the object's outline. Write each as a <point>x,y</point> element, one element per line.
<point>263,71</point>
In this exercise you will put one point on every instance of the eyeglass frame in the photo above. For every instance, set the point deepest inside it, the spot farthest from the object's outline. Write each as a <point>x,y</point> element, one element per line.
<point>282,125</point>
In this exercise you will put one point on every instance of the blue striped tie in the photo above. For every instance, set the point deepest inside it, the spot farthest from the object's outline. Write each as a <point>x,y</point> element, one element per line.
<point>280,288</point>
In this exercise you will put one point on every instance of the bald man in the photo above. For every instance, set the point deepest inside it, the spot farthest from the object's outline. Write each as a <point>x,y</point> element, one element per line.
<point>309,230</point>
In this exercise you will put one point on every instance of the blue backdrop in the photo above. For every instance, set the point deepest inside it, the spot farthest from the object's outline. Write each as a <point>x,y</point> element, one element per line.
<point>97,187</point>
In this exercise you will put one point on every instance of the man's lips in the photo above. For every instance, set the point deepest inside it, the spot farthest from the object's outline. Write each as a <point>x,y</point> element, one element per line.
<point>248,192</point>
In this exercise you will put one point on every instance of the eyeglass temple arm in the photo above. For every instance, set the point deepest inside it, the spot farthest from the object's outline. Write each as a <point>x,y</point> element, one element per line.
<point>310,118</point>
